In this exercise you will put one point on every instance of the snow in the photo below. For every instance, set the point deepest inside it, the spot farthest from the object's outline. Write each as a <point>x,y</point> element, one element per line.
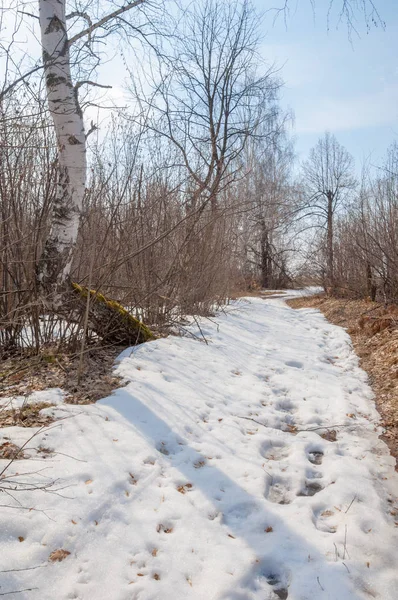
<point>206,477</point>
<point>48,396</point>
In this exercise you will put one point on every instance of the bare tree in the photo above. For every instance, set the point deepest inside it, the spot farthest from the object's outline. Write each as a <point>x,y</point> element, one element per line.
<point>268,190</point>
<point>210,98</point>
<point>328,183</point>
<point>345,11</point>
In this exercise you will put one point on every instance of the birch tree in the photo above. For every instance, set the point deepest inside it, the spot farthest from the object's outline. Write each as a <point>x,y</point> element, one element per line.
<point>55,263</point>
<point>62,94</point>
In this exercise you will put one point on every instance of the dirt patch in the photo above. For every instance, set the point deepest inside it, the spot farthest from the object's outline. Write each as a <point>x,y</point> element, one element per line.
<point>22,374</point>
<point>374,332</point>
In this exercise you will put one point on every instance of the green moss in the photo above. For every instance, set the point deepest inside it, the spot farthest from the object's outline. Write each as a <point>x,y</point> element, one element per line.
<point>49,358</point>
<point>129,322</point>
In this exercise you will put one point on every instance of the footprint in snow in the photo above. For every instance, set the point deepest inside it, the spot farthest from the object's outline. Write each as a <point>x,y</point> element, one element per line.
<point>280,391</point>
<point>315,456</point>
<point>169,449</point>
<point>272,574</point>
<point>312,474</point>
<point>323,519</point>
<point>274,450</point>
<point>239,512</point>
<point>295,364</point>
<point>285,405</point>
<point>310,488</point>
<point>278,491</point>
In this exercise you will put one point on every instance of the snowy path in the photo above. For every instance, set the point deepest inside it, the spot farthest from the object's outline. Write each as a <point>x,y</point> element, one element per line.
<point>183,496</point>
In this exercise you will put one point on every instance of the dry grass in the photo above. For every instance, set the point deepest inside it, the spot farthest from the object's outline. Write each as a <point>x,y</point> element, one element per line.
<point>23,374</point>
<point>374,332</point>
<point>28,415</point>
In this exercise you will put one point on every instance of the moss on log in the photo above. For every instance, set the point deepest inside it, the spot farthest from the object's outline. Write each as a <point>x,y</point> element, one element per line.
<point>110,320</point>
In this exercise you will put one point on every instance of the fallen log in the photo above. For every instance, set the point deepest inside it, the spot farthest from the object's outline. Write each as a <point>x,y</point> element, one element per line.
<point>110,320</point>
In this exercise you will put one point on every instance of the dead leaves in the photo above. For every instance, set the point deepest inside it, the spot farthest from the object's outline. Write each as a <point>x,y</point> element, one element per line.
<point>164,528</point>
<point>330,435</point>
<point>133,479</point>
<point>183,489</point>
<point>58,555</point>
<point>199,464</point>
<point>10,451</point>
<point>290,428</point>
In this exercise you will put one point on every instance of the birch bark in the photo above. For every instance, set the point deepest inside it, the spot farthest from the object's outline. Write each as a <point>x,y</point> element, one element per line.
<point>55,263</point>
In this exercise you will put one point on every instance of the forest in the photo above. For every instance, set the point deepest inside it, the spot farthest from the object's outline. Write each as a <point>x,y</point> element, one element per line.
<point>188,195</point>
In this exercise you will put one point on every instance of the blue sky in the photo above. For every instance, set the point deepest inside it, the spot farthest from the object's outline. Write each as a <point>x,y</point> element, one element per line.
<point>331,83</point>
<point>348,88</point>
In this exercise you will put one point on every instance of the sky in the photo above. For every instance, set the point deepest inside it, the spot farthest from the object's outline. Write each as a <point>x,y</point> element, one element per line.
<point>345,84</point>
<point>331,83</point>
<point>336,81</point>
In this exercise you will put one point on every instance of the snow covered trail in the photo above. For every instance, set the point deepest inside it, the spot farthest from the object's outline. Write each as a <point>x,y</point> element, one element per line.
<point>247,468</point>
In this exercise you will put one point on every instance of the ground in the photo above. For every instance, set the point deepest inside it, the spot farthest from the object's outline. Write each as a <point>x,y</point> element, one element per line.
<point>242,462</point>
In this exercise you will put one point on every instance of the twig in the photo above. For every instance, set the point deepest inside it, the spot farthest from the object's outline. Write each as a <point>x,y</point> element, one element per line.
<point>201,332</point>
<point>323,427</point>
<point>347,568</point>
<point>297,430</point>
<point>25,569</point>
<point>29,509</point>
<point>69,456</point>
<point>250,419</point>
<point>323,589</point>
<point>345,543</point>
<point>336,551</point>
<point>22,448</point>
<point>18,591</point>
<point>351,503</point>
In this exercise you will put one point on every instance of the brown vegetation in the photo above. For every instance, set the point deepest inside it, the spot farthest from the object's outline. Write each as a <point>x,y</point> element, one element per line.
<point>373,328</point>
<point>26,372</point>
<point>183,202</point>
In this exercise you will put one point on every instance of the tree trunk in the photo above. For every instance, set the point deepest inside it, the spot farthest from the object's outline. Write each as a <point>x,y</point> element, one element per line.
<point>330,257</point>
<point>266,261</point>
<point>371,287</point>
<point>55,263</point>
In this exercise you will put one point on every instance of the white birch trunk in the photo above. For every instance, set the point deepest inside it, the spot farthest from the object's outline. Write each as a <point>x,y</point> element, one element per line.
<point>55,262</point>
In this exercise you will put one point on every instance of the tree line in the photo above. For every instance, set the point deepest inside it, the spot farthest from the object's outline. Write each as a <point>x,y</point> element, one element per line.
<point>185,196</point>
<point>354,250</point>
